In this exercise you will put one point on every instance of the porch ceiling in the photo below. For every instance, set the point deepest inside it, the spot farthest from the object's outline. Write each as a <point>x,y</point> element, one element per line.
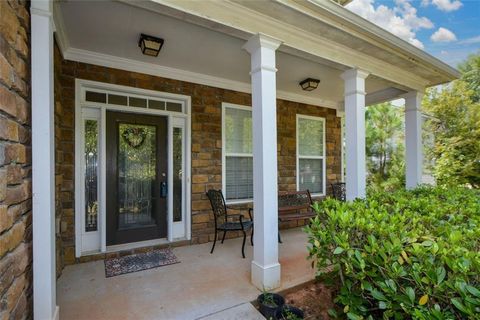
<point>106,32</point>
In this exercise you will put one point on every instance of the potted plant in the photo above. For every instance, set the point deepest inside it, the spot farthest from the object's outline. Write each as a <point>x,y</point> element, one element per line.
<point>288,312</point>
<point>269,303</point>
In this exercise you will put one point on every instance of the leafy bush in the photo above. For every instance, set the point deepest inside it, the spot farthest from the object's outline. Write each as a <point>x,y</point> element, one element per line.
<point>402,255</point>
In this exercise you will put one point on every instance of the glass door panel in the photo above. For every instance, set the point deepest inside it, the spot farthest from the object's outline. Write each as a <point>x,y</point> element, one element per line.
<point>136,175</point>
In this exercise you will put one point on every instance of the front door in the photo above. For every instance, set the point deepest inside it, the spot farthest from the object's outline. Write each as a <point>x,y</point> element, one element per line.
<point>136,177</point>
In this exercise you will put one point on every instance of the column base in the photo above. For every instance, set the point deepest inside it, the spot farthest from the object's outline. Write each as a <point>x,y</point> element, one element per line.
<point>266,278</point>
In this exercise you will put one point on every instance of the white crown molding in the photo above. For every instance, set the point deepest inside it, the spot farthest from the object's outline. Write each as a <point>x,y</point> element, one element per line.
<point>59,25</point>
<point>295,97</point>
<point>116,62</point>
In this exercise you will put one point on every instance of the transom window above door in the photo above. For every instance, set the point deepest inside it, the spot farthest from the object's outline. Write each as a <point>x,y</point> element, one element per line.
<point>136,101</point>
<point>237,156</point>
<point>311,154</point>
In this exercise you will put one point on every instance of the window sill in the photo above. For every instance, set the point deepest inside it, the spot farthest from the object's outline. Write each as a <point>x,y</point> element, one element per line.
<point>317,195</point>
<point>240,201</point>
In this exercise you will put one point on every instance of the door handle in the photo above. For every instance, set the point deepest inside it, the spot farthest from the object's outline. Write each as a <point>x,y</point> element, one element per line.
<point>163,190</point>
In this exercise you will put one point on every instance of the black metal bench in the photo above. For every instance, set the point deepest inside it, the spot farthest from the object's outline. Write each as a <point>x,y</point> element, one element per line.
<point>294,205</point>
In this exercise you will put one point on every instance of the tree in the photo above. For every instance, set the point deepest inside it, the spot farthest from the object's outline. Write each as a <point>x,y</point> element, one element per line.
<point>385,147</point>
<point>470,70</point>
<point>455,120</point>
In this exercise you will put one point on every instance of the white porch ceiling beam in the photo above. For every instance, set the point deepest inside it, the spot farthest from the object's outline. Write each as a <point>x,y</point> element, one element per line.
<point>355,133</point>
<point>384,95</point>
<point>43,164</point>
<point>247,21</point>
<point>265,266</point>
<point>413,139</point>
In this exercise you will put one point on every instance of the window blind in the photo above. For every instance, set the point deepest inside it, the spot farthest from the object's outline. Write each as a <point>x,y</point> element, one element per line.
<point>238,158</point>
<point>310,142</point>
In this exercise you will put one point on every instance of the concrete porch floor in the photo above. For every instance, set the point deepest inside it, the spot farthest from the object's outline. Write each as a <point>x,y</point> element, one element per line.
<point>201,285</point>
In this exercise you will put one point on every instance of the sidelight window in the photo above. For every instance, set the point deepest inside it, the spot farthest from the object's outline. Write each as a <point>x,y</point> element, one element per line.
<point>91,175</point>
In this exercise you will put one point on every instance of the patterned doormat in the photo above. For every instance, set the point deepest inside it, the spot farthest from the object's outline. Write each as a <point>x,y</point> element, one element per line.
<point>139,261</point>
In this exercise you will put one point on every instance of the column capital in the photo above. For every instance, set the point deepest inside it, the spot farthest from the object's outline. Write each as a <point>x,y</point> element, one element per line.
<point>413,100</point>
<point>261,40</point>
<point>412,95</point>
<point>41,7</point>
<point>354,73</point>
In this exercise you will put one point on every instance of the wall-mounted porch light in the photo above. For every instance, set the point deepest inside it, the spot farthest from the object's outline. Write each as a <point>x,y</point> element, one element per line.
<point>309,84</point>
<point>149,45</point>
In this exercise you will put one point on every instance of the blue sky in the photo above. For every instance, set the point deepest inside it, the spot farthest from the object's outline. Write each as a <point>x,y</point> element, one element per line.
<point>447,29</point>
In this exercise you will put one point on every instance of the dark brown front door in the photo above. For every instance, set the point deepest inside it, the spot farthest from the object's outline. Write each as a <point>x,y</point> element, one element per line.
<point>136,177</point>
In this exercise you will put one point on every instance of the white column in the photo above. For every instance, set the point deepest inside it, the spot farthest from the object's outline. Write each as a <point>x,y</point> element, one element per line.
<point>413,139</point>
<point>355,132</point>
<point>43,164</point>
<point>265,266</point>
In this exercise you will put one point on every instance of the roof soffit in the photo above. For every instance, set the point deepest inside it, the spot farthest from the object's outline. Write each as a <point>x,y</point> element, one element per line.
<point>226,16</point>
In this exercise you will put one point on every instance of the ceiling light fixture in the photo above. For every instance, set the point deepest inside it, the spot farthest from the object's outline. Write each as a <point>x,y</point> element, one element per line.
<point>149,45</point>
<point>309,84</point>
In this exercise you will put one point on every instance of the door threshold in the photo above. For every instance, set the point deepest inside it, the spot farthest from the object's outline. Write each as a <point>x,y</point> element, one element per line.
<point>136,245</point>
<point>132,247</point>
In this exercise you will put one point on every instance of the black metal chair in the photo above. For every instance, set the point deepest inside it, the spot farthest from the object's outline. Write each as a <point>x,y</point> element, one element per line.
<point>339,191</point>
<point>221,218</point>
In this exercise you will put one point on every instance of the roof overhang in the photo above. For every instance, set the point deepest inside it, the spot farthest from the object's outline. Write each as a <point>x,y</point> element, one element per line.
<point>343,2</point>
<point>320,39</point>
<point>317,29</point>
<point>375,34</point>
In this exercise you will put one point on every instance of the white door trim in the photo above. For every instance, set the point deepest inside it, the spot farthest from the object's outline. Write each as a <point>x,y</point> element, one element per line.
<point>176,232</point>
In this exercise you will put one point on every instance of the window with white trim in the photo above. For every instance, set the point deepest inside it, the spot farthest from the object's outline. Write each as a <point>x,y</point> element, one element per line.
<point>237,162</point>
<point>311,154</point>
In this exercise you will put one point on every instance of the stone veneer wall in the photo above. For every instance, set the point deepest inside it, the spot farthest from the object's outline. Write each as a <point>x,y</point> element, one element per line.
<point>206,140</point>
<point>15,162</point>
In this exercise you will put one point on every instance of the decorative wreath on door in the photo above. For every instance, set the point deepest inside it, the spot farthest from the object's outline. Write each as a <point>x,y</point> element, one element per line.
<point>134,137</point>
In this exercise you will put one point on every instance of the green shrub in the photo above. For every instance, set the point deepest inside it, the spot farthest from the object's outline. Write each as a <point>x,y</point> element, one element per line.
<point>401,255</point>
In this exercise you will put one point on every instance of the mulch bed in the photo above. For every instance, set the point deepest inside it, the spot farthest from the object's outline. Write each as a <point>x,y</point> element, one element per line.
<point>314,298</point>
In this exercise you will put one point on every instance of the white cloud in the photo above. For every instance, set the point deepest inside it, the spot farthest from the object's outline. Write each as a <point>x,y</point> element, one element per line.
<point>447,5</point>
<point>443,35</point>
<point>473,40</point>
<point>444,5</point>
<point>401,20</point>
<point>425,3</point>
